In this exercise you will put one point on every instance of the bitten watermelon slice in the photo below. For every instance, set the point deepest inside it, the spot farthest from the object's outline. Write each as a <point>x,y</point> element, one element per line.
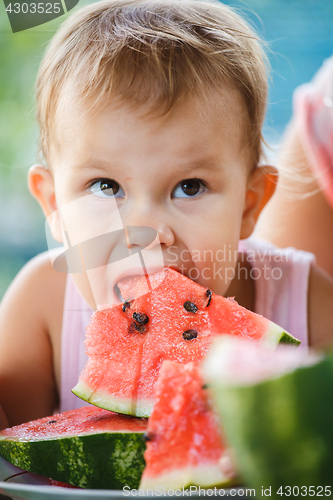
<point>176,320</point>
<point>89,448</point>
<point>184,442</point>
<point>277,411</point>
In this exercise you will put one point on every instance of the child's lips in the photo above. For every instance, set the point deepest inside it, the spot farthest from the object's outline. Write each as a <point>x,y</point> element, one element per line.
<point>135,273</point>
<point>122,275</point>
<point>178,269</point>
<point>181,270</point>
<point>117,293</point>
<point>132,272</point>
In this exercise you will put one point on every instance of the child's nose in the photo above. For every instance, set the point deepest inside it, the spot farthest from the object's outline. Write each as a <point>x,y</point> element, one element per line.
<point>148,236</point>
<point>166,235</point>
<point>147,220</point>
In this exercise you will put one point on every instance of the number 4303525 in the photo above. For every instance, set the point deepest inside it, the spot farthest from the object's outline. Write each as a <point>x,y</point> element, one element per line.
<point>34,8</point>
<point>311,491</point>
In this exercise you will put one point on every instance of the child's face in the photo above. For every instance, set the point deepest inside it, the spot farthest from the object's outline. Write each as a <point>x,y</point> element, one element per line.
<point>187,176</point>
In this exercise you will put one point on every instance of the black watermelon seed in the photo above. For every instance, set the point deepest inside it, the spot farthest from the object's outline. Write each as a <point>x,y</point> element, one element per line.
<point>209,295</point>
<point>139,328</point>
<point>190,306</point>
<point>204,386</point>
<point>126,305</point>
<point>140,318</point>
<point>147,436</point>
<point>52,422</point>
<point>190,334</point>
<point>136,327</point>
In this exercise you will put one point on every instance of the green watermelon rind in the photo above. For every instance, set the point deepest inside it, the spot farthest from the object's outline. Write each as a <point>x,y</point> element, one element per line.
<point>205,475</point>
<point>103,460</point>
<point>276,335</point>
<point>108,402</point>
<point>281,429</point>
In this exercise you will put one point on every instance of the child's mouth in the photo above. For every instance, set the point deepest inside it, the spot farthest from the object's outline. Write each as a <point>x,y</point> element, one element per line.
<point>135,278</point>
<point>136,283</point>
<point>129,281</point>
<point>117,293</point>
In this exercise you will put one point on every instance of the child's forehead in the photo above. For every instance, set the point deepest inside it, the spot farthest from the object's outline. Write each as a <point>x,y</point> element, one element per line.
<point>203,102</point>
<point>198,117</point>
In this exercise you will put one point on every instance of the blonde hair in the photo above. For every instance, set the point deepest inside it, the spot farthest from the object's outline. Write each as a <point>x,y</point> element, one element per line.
<point>155,52</point>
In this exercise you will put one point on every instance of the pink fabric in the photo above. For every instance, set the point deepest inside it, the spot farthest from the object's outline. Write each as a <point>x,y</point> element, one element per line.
<point>313,109</point>
<point>281,284</point>
<point>76,318</point>
<point>281,287</point>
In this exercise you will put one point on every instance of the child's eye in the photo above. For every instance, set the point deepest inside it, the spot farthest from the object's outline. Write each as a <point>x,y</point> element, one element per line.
<point>189,188</point>
<point>106,188</point>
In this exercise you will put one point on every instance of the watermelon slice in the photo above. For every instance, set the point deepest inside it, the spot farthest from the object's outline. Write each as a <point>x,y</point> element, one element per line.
<point>89,448</point>
<point>184,443</point>
<point>277,409</point>
<point>176,320</point>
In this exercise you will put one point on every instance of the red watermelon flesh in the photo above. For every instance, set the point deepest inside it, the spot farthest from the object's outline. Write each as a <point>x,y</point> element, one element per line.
<point>74,423</point>
<point>184,442</point>
<point>176,320</point>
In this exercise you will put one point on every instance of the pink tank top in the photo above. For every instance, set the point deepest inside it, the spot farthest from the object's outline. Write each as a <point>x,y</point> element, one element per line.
<point>281,286</point>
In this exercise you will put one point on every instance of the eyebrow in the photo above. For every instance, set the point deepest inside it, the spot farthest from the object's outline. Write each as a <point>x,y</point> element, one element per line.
<point>204,164</point>
<point>97,164</point>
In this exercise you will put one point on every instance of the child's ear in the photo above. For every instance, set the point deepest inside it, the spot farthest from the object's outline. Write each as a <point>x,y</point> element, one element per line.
<point>260,188</point>
<point>41,186</point>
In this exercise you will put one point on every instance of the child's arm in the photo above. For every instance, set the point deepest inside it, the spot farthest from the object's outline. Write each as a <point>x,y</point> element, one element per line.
<point>30,328</point>
<point>320,315</point>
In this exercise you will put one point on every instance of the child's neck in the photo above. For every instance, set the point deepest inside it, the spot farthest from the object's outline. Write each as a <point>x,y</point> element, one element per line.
<point>242,286</point>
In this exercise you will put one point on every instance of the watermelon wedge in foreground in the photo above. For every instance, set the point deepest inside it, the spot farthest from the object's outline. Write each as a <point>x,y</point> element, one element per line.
<point>277,413</point>
<point>89,448</point>
<point>184,443</point>
<point>176,320</point>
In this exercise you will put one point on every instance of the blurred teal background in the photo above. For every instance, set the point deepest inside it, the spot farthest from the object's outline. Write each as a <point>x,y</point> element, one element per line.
<point>299,34</point>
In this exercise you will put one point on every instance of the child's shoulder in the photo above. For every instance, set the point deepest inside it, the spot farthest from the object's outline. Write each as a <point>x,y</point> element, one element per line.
<point>30,332</point>
<point>37,287</point>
